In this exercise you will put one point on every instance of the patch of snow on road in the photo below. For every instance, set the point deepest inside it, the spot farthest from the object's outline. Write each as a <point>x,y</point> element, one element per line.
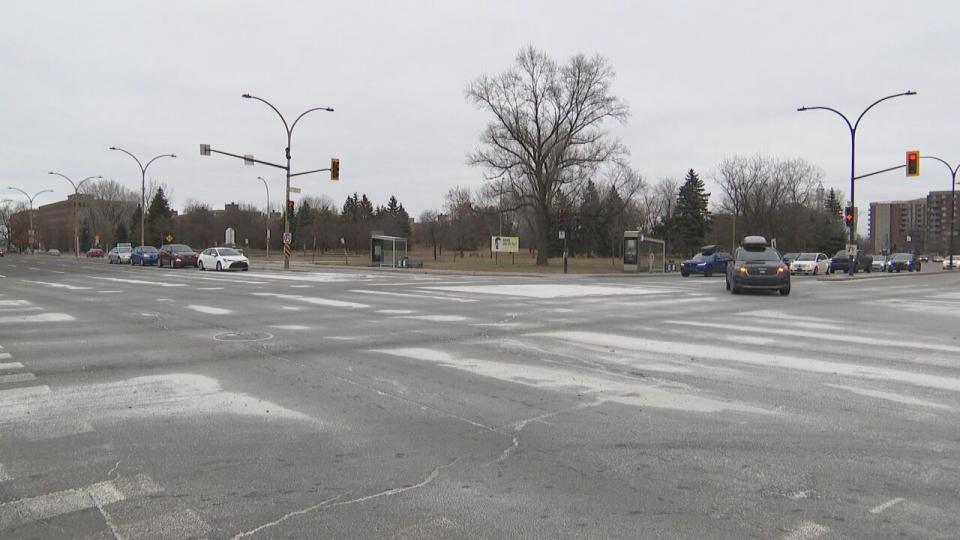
<point>554,290</point>
<point>613,388</point>
<point>57,285</point>
<point>889,396</point>
<point>39,318</point>
<point>435,318</point>
<point>290,327</point>
<point>209,310</point>
<point>314,300</point>
<point>394,311</point>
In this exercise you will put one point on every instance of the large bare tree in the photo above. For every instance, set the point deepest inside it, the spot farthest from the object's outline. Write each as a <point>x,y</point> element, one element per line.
<point>546,136</point>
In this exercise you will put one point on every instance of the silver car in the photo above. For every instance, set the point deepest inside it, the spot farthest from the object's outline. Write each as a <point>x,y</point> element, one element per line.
<point>879,263</point>
<point>119,255</point>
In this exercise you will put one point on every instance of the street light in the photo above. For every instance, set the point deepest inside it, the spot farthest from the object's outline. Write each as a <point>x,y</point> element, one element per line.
<point>265,186</point>
<point>143,186</point>
<point>289,129</point>
<point>853,153</point>
<point>76,208</point>
<point>31,235</point>
<point>953,195</point>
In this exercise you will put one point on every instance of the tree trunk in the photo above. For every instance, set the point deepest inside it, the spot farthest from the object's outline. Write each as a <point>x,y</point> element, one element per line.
<point>543,238</point>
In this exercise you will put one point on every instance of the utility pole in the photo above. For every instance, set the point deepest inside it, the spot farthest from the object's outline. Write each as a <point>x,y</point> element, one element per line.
<point>143,187</point>
<point>265,186</point>
<point>32,234</point>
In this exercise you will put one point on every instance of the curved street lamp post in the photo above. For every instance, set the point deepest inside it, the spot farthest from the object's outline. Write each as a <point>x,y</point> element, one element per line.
<point>265,186</point>
<point>32,234</point>
<point>76,208</point>
<point>853,154</point>
<point>953,203</point>
<point>143,186</point>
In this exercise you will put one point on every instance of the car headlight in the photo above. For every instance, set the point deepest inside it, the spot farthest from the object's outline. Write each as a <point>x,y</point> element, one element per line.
<point>780,270</point>
<point>742,269</point>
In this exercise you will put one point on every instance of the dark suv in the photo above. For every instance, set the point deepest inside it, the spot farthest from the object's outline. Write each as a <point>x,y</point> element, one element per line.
<point>710,259</point>
<point>840,262</point>
<point>757,266</point>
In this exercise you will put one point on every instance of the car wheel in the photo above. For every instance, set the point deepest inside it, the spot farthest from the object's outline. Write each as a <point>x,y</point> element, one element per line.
<point>708,272</point>
<point>219,267</point>
<point>684,273</point>
<point>814,270</point>
<point>200,266</point>
<point>785,291</point>
<point>735,290</point>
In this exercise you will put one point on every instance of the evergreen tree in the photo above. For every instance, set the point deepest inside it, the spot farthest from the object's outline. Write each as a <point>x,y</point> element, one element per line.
<point>692,218</point>
<point>365,209</point>
<point>85,239</point>
<point>301,223</point>
<point>134,228</point>
<point>403,220</point>
<point>121,234</point>
<point>611,223</point>
<point>351,208</point>
<point>832,204</point>
<point>588,235</point>
<point>158,219</point>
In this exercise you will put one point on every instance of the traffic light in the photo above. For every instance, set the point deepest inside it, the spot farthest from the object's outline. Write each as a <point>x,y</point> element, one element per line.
<point>848,216</point>
<point>334,169</point>
<point>913,163</point>
<point>290,208</point>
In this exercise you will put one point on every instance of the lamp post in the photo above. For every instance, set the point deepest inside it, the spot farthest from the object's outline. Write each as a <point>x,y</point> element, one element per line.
<point>266,187</point>
<point>31,234</point>
<point>853,156</point>
<point>143,186</point>
<point>953,195</point>
<point>76,208</point>
<point>289,129</point>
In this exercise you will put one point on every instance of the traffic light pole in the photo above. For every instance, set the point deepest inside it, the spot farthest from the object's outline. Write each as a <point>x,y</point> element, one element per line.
<point>853,157</point>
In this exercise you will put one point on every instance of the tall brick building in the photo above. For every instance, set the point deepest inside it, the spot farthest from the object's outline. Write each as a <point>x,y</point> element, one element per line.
<point>917,225</point>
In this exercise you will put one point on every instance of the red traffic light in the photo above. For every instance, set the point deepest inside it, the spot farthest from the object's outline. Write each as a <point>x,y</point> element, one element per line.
<point>289,205</point>
<point>913,163</point>
<point>848,216</point>
<point>334,168</point>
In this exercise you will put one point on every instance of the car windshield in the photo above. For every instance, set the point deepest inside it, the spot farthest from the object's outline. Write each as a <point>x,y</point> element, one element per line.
<point>790,256</point>
<point>123,250</point>
<point>148,249</point>
<point>807,257</point>
<point>902,257</point>
<point>700,257</point>
<point>181,248</point>
<point>757,255</point>
<point>227,252</point>
<point>841,253</point>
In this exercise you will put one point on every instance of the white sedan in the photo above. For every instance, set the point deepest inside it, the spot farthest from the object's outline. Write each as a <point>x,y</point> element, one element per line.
<point>810,263</point>
<point>221,258</point>
<point>956,263</point>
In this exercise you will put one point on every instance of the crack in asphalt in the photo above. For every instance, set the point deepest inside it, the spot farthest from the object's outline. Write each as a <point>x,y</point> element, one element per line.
<point>329,503</point>
<point>518,427</point>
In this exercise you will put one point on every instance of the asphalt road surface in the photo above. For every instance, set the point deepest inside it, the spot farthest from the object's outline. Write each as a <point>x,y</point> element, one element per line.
<point>147,403</point>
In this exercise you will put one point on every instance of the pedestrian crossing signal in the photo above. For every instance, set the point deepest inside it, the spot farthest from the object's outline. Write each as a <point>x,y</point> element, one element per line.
<point>913,163</point>
<point>848,216</point>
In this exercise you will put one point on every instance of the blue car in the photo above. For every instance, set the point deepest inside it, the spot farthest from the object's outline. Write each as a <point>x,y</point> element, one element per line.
<point>144,256</point>
<point>710,259</point>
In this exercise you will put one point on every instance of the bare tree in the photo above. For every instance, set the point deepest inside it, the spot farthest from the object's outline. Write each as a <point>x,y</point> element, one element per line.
<point>112,205</point>
<point>546,135</point>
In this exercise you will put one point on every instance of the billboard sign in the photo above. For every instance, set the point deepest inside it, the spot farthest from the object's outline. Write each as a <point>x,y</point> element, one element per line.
<point>505,244</point>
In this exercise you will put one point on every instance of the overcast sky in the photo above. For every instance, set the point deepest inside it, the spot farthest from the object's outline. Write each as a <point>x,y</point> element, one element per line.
<point>705,80</point>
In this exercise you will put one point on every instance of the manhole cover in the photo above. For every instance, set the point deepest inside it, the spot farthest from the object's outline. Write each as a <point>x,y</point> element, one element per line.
<point>243,336</point>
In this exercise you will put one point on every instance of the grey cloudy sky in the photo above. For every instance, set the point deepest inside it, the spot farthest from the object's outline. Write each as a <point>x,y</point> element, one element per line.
<point>704,80</point>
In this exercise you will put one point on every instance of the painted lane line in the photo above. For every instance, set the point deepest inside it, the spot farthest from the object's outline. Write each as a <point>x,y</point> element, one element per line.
<point>17,377</point>
<point>395,311</point>
<point>43,317</point>
<point>34,268</point>
<point>880,508</point>
<point>24,511</point>
<point>434,318</point>
<point>820,335</point>
<point>13,303</point>
<point>57,285</point>
<point>751,357</point>
<point>419,296</point>
<point>11,365</point>
<point>14,394</point>
<point>314,300</point>
<point>807,530</point>
<point>544,291</point>
<point>17,310</point>
<point>5,355</point>
<point>209,288</point>
<point>290,327</point>
<point>4,475</point>
<point>108,292</point>
<point>58,271</point>
<point>209,310</point>
<point>139,282</point>
<point>889,396</point>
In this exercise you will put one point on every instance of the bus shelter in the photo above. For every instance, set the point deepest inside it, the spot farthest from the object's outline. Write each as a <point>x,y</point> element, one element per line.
<point>387,250</point>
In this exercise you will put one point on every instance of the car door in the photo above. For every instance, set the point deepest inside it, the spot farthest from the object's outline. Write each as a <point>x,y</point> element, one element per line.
<point>206,257</point>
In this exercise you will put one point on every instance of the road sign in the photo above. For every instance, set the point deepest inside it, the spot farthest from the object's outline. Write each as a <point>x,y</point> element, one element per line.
<point>563,235</point>
<point>294,189</point>
<point>287,238</point>
<point>168,238</point>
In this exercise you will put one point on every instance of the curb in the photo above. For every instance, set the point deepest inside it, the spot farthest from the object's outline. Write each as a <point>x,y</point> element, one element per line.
<point>883,275</point>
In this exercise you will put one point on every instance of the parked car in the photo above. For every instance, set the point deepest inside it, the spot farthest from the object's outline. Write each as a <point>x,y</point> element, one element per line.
<point>947,265</point>
<point>924,258</point>
<point>144,256</point>
<point>176,255</point>
<point>223,258</point>
<point>2,252</point>
<point>756,265</point>
<point>840,262</point>
<point>95,252</point>
<point>810,263</point>
<point>903,261</point>
<point>938,258</point>
<point>119,255</point>
<point>788,258</point>
<point>710,259</point>
<point>879,263</point>
<point>54,252</point>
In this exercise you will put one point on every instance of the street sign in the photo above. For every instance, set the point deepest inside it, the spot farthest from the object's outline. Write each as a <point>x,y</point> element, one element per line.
<point>168,238</point>
<point>563,235</point>
<point>294,189</point>
<point>287,238</point>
